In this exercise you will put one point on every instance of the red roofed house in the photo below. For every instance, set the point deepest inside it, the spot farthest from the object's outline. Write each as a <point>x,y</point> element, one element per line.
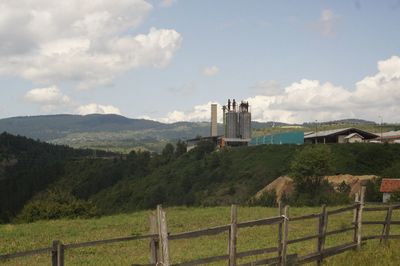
<point>388,186</point>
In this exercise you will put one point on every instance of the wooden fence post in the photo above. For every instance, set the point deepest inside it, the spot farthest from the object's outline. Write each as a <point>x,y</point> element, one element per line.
<point>233,236</point>
<point>355,216</point>
<point>54,252</point>
<point>60,254</point>
<point>285,234</point>
<point>322,226</point>
<point>163,236</point>
<point>280,226</point>
<point>388,221</point>
<point>154,242</point>
<point>359,218</point>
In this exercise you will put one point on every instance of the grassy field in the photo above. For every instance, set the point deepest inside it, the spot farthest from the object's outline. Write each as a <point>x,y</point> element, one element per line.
<point>19,237</point>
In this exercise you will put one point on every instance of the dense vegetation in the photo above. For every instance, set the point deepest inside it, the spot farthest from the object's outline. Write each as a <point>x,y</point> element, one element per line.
<point>28,167</point>
<point>36,172</point>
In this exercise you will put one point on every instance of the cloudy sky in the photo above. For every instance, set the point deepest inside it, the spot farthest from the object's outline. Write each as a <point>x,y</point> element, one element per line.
<point>294,61</point>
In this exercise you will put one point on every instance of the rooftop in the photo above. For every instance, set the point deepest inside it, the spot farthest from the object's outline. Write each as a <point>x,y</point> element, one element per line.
<point>390,134</point>
<point>389,185</point>
<point>325,133</point>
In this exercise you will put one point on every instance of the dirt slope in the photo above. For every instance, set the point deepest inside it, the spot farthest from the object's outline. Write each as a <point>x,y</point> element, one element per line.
<point>284,185</point>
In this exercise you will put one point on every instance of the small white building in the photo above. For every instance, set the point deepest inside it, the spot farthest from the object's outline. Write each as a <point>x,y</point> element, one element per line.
<point>389,186</point>
<point>353,138</point>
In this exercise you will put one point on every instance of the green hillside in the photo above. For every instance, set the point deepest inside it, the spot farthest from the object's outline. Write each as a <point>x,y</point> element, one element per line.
<point>27,167</point>
<point>121,134</point>
<point>45,179</point>
<point>106,132</point>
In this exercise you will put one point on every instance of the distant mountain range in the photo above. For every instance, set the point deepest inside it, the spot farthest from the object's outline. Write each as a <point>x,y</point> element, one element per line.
<point>110,131</point>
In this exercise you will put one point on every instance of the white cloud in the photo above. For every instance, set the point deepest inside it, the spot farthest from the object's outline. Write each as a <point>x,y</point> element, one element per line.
<point>210,71</point>
<point>49,99</point>
<point>94,108</point>
<point>307,100</point>
<point>199,113</point>
<point>52,100</point>
<point>50,95</point>
<point>85,42</point>
<point>167,3</point>
<point>326,23</point>
<point>267,87</point>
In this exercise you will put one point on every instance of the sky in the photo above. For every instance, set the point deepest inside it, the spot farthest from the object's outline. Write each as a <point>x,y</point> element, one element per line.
<point>168,60</point>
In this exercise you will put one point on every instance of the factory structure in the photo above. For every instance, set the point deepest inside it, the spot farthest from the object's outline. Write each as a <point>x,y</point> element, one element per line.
<point>237,131</point>
<point>236,120</point>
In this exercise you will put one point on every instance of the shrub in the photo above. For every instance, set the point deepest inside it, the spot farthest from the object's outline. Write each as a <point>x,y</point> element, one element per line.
<point>56,204</point>
<point>309,167</point>
<point>268,198</point>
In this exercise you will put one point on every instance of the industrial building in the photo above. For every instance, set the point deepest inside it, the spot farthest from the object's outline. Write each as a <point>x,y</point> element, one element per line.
<point>214,119</point>
<point>295,137</point>
<point>342,135</point>
<point>237,124</point>
<point>389,137</point>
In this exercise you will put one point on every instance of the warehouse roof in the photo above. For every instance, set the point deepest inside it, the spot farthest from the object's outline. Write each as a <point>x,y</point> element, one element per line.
<point>340,131</point>
<point>390,135</point>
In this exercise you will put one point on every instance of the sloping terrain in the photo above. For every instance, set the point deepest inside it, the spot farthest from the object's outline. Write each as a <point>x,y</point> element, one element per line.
<point>113,183</point>
<point>284,185</point>
<point>121,134</point>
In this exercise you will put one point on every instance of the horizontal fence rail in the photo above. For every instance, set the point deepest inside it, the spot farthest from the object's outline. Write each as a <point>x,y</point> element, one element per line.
<point>159,237</point>
<point>106,241</point>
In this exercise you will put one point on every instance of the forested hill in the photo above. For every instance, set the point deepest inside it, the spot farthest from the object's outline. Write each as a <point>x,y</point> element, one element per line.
<point>28,166</point>
<point>121,134</point>
<point>106,131</point>
<point>40,181</point>
<point>48,127</point>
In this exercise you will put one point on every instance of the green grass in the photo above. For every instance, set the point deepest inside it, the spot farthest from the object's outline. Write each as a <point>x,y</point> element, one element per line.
<point>20,237</point>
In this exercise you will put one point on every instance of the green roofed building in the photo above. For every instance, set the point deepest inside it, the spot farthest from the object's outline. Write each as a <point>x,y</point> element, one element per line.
<point>296,137</point>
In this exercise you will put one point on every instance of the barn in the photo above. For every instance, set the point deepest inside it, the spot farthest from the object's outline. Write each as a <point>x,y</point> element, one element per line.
<point>342,135</point>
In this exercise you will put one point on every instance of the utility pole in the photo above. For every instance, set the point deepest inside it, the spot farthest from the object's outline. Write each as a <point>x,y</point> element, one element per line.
<point>381,128</point>
<point>316,131</point>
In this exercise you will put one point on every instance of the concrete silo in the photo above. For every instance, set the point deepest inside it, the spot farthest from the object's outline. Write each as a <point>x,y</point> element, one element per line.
<point>231,127</point>
<point>214,118</point>
<point>237,124</point>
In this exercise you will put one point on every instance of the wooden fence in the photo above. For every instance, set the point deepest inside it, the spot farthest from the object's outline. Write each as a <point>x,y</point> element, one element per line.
<point>159,237</point>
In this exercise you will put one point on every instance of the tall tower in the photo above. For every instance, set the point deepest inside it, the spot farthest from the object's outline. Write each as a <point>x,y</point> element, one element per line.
<point>244,121</point>
<point>214,125</point>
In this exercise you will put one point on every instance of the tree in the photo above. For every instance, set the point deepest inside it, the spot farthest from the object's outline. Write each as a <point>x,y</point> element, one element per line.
<point>309,167</point>
<point>180,148</point>
<point>203,147</point>
<point>167,153</point>
<point>168,150</point>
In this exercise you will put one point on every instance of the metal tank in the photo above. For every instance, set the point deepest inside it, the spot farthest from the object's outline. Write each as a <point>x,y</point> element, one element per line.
<point>245,125</point>
<point>231,128</point>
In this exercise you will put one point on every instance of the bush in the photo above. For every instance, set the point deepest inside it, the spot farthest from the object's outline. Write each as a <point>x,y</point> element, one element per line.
<point>55,204</point>
<point>393,171</point>
<point>309,167</point>
<point>268,198</point>
<point>372,192</point>
<point>395,197</point>
<point>326,194</point>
